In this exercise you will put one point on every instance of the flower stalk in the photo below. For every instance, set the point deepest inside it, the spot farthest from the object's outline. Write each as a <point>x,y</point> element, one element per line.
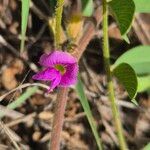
<point>106,55</point>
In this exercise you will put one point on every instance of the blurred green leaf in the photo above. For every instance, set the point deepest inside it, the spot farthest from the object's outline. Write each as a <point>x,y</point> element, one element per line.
<point>143,83</point>
<point>87,110</point>
<point>87,7</point>
<point>24,21</point>
<point>142,6</point>
<point>19,101</point>
<point>123,11</point>
<point>127,76</point>
<point>147,147</point>
<point>138,58</point>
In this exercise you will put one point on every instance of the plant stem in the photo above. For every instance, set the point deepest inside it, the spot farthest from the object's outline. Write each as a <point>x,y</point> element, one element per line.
<point>58,118</point>
<point>58,13</point>
<point>106,55</point>
<point>62,92</point>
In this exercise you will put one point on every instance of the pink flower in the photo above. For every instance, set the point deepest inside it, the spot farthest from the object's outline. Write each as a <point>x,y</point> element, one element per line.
<point>61,69</point>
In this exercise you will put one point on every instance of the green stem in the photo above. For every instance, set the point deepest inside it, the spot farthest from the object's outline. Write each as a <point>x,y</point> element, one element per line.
<point>106,55</point>
<point>58,13</point>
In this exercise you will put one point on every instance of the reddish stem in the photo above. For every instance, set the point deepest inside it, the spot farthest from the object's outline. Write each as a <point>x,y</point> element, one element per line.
<point>62,93</point>
<point>58,118</point>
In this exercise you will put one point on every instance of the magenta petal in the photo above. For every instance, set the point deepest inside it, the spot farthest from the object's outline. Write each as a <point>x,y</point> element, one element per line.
<point>62,69</point>
<point>57,57</point>
<point>55,82</point>
<point>44,60</point>
<point>47,74</point>
<point>70,77</point>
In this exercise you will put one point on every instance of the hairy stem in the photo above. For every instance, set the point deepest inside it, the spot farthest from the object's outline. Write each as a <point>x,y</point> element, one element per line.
<point>62,93</point>
<point>106,55</point>
<point>58,13</point>
<point>58,118</point>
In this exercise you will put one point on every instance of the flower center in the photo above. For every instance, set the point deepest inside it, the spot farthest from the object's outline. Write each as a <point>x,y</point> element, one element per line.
<point>60,68</point>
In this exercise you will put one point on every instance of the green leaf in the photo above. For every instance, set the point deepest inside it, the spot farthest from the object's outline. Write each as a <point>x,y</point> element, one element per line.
<point>19,101</point>
<point>143,83</point>
<point>147,147</point>
<point>123,11</point>
<point>142,6</point>
<point>24,20</point>
<point>87,110</point>
<point>127,76</point>
<point>87,7</point>
<point>138,58</point>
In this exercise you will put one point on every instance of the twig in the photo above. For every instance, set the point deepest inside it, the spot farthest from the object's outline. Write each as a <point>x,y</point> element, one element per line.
<point>140,30</point>
<point>120,103</point>
<point>76,117</point>
<point>38,36</point>
<point>19,85</point>
<point>110,131</point>
<point>3,147</point>
<point>16,53</point>
<point>21,119</point>
<point>10,47</point>
<point>93,77</point>
<point>38,12</point>
<point>10,113</point>
<point>23,86</point>
<point>9,135</point>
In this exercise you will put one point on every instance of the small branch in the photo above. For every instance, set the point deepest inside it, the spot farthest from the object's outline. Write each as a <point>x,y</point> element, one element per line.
<point>139,26</point>
<point>9,134</point>
<point>38,12</point>
<point>17,54</point>
<point>106,55</point>
<point>23,86</point>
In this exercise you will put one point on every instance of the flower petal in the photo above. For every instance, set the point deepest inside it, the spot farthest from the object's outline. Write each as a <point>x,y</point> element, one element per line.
<point>55,82</point>
<point>57,57</point>
<point>70,77</point>
<point>47,74</point>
